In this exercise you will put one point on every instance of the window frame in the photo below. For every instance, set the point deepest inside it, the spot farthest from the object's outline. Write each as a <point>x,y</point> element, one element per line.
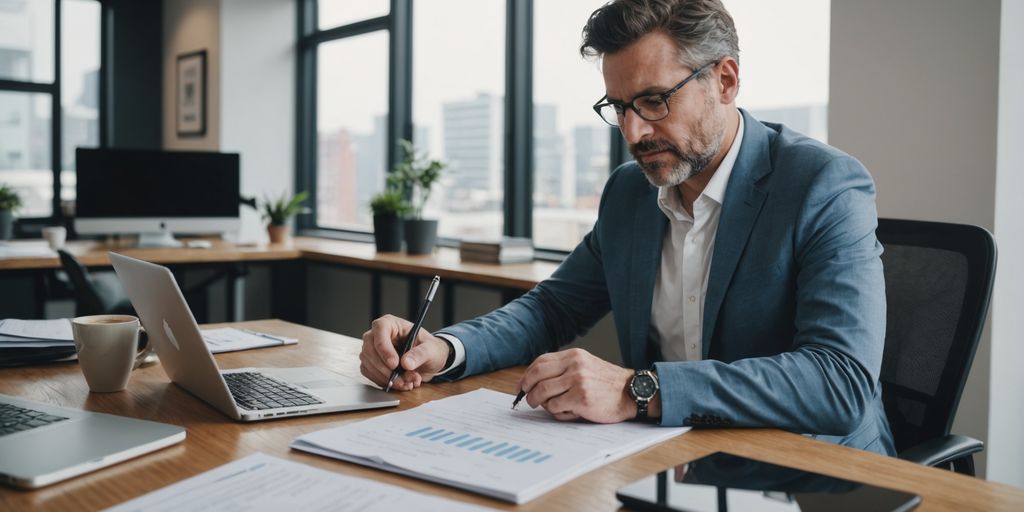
<point>57,110</point>
<point>518,104</point>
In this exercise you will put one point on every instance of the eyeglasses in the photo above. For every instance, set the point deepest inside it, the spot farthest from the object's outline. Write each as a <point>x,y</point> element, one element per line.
<point>650,107</point>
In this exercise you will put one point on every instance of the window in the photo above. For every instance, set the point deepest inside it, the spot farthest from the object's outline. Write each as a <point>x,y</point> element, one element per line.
<point>784,63</point>
<point>333,13</point>
<point>497,88</point>
<point>33,152</point>
<point>571,145</point>
<point>459,110</point>
<point>351,128</point>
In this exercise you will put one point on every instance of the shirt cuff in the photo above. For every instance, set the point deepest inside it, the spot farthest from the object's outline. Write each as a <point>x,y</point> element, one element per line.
<point>460,351</point>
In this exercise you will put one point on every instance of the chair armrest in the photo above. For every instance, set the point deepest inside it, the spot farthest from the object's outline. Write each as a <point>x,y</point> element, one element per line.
<point>942,450</point>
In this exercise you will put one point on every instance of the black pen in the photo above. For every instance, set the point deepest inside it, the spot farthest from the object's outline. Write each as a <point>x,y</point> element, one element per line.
<point>519,397</point>
<point>415,330</point>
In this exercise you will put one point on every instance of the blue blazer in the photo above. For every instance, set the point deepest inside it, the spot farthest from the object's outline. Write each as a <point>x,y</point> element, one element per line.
<point>794,316</point>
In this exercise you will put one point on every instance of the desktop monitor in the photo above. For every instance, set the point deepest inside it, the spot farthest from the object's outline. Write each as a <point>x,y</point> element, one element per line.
<point>156,193</point>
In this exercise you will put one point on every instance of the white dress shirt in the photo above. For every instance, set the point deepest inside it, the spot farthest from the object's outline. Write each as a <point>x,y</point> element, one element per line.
<point>677,310</point>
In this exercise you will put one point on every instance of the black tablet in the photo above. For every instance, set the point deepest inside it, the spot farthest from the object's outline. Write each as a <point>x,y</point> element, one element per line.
<point>723,482</point>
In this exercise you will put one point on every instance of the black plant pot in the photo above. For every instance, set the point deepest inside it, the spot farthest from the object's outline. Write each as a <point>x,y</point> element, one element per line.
<point>6,224</point>
<point>420,236</point>
<point>387,233</point>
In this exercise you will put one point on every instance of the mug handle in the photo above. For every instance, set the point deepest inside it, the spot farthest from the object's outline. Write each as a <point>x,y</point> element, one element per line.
<point>144,350</point>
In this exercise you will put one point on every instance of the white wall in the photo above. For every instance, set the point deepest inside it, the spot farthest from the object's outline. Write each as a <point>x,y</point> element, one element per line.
<point>257,110</point>
<point>914,94</point>
<point>250,105</point>
<point>189,26</point>
<point>1006,420</point>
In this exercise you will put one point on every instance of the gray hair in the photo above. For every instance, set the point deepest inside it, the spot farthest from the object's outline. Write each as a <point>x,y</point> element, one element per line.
<point>702,29</point>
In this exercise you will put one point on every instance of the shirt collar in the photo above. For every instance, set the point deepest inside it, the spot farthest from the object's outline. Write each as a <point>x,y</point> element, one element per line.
<point>669,200</point>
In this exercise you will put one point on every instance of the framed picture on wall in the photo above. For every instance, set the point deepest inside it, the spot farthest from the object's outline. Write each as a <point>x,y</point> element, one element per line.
<point>191,93</point>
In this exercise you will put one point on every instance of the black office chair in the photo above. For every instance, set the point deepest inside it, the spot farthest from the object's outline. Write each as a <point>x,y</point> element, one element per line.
<point>95,294</point>
<point>938,282</point>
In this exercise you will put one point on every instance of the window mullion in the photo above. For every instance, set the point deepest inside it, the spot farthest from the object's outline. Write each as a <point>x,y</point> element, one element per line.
<point>56,137</point>
<point>518,197</point>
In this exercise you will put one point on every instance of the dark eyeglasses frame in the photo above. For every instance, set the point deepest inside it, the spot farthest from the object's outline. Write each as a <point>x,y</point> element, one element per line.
<point>621,107</point>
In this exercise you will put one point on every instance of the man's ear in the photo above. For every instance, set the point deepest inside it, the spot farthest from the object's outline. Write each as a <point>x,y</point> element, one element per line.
<point>728,79</point>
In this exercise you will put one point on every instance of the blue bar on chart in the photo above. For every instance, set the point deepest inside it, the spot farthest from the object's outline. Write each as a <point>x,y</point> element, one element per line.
<point>503,450</point>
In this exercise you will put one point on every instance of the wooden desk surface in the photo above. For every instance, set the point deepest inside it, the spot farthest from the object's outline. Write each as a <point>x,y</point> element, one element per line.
<point>444,262</point>
<point>214,440</point>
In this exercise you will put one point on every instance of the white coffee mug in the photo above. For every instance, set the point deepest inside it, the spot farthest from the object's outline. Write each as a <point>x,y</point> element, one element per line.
<point>108,349</point>
<point>55,236</point>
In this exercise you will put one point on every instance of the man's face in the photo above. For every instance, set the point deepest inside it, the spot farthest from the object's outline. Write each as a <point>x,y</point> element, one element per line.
<point>681,145</point>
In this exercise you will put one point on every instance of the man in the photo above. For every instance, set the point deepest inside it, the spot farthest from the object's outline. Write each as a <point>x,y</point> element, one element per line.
<point>738,259</point>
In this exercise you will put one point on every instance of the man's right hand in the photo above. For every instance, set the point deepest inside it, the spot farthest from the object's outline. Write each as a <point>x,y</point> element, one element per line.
<point>380,354</point>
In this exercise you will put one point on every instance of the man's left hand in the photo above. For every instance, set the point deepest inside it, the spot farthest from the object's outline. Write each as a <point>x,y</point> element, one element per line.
<point>574,384</point>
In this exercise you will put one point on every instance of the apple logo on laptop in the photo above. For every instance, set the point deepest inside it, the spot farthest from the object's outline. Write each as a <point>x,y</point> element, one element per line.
<point>170,335</point>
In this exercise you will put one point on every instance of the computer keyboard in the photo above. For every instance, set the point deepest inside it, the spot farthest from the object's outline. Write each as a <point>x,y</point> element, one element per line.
<point>257,391</point>
<point>16,419</point>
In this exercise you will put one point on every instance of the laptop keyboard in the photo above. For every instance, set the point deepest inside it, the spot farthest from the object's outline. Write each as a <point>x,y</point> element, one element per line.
<point>257,391</point>
<point>16,419</point>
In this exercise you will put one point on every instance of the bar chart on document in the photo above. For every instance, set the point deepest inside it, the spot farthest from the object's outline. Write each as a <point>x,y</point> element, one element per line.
<point>475,442</point>
<point>496,448</point>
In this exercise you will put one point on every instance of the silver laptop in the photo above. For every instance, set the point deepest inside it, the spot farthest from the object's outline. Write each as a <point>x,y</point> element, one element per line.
<point>42,444</point>
<point>245,394</point>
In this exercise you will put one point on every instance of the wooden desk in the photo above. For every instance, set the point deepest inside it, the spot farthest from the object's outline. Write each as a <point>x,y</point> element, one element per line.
<point>444,262</point>
<point>214,440</point>
<point>512,279</point>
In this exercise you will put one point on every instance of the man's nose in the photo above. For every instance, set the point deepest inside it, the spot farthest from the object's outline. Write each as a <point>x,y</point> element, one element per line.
<point>633,127</point>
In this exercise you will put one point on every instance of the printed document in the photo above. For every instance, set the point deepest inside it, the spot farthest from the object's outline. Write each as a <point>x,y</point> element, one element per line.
<point>229,339</point>
<point>262,482</point>
<point>474,441</point>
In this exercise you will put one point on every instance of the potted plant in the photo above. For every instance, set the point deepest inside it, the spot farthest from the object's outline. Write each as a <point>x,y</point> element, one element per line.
<point>417,174</point>
<point>9,202</point>
<point>389,208</point>
<point>278,211</point>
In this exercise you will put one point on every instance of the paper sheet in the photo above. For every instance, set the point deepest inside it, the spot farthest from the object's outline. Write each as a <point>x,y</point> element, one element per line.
<point>262,482</point>
<point>476,442</point>
<point>229,339</point>
<point>58,329</point>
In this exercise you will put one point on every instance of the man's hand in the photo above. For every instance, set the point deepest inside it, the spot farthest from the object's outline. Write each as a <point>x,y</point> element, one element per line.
<point>574,384</point>
<point>380,354</point>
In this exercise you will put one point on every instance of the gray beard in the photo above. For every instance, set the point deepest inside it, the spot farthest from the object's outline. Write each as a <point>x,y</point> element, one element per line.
<point>687,167</point>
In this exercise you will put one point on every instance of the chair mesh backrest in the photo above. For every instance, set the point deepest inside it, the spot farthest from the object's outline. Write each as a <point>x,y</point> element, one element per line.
<point>938,281</point>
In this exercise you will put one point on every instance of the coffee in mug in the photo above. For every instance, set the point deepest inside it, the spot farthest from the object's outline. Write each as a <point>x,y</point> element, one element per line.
<point>108,349</point>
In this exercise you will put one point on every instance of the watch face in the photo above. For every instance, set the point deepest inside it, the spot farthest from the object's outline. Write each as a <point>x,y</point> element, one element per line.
<point>643,386</point>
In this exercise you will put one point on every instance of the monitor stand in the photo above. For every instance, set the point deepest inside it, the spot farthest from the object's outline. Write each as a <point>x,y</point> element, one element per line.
<point>157,239</point>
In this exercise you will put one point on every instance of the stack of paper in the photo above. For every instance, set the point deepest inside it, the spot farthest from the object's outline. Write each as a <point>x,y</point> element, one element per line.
<point>474,441</point>
<point>262,482</point>
<point>35,341</point>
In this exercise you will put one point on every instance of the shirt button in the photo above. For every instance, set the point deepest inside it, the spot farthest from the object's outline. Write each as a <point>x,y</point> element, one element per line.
<point>693,346</point>
<point>692,298</point>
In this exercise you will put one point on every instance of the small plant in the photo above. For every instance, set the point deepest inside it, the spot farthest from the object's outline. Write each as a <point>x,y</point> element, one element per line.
<point>278,211</point>
<point>415,175</point>
<point>390,202</point>
<point>9,198</point>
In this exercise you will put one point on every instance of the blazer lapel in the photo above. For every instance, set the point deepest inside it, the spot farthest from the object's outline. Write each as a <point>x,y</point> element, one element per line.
<point>649,232</point>
<point>740,208</point>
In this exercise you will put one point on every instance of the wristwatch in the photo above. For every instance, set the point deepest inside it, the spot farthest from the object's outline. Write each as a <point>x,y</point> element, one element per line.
<point>642,388</point>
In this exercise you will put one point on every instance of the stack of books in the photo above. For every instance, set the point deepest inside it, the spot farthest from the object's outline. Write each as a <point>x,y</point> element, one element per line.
<point>506,250</point>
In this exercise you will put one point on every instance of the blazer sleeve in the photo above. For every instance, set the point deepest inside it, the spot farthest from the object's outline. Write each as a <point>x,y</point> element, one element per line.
<point>825,383</point>
<point>548,317</point>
